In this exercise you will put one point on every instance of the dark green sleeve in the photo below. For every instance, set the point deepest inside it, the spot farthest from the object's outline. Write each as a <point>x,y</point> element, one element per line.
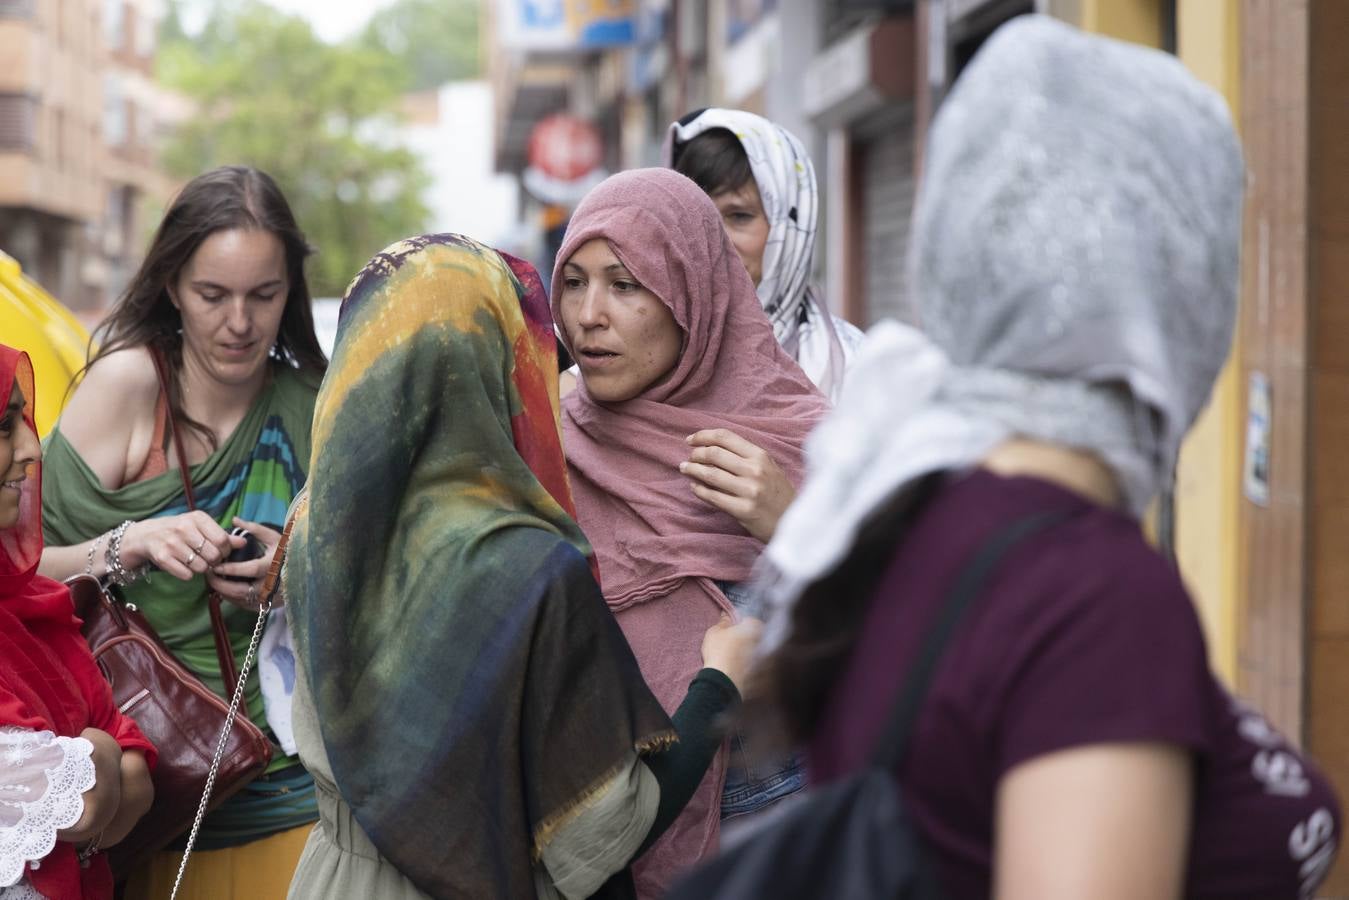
<point>700,722</point>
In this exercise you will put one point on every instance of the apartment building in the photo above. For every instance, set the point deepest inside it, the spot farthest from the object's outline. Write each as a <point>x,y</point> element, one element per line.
<point>80,122</point>
<point>50,124</point>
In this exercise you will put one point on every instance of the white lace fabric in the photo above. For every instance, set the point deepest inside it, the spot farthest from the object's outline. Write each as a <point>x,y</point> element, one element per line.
<point>24,890</point>
<point>43,778</point>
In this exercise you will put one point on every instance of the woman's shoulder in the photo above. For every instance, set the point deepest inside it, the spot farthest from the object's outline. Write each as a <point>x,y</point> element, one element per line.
<point>128,371</point>
<point>111,407</point>
<point>1087,635</point>
<point>1085,596</point>
<point>1094,569</point>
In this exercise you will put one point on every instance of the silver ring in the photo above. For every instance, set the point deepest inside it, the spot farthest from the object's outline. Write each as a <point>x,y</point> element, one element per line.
<point>199,546</point>
<point>191,556</point>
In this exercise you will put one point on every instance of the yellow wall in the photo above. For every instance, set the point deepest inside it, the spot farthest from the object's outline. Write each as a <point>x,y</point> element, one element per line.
<point>1139,21</point>
<point>1208,489</point>
<point>1208,481</point>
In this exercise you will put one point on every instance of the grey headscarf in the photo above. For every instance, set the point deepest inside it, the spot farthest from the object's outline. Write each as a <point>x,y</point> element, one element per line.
<point>1075,256</point>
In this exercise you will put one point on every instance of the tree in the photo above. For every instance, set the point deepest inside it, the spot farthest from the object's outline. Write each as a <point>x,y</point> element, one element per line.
<point>435,40</point>
<point>171,29</point>
<point>318,118</point>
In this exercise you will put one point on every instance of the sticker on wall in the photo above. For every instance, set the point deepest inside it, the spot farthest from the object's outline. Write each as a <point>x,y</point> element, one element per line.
<point>1255,470</point>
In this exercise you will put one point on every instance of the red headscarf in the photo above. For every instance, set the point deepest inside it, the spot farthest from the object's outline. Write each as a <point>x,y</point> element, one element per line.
<point>23,592</point>
<point>660,548</point>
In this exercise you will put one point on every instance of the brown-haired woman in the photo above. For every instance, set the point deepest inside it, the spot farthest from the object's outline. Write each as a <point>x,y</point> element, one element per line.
<point>222,300</point>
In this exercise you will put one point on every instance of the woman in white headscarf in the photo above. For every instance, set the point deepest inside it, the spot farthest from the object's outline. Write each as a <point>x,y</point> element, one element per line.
<point>1076,254</point>
<point>762,181</point>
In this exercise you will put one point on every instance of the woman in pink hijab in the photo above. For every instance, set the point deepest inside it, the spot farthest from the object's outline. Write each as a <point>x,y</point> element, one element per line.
<point>684,436</point>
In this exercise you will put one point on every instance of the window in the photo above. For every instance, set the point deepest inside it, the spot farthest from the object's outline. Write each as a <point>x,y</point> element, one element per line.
<point>840,17</point>
<point>59,141</point>
<point>114,23</point>
<point>115,131</point>
<point>16,9</point>
<point>145,34</point>
<point>18,122</point>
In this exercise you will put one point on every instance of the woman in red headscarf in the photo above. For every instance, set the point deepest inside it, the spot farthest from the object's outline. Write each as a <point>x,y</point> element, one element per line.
<point>74,772</point>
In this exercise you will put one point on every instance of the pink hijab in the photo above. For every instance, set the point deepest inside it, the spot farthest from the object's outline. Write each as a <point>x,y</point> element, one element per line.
<point>659,547</point>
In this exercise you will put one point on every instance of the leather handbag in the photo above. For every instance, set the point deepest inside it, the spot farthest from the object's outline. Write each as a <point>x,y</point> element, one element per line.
<point>180,715</point>
<point>186,721</point>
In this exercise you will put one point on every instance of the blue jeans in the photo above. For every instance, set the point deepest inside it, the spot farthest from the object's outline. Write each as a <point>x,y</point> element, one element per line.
<point>753,780</point>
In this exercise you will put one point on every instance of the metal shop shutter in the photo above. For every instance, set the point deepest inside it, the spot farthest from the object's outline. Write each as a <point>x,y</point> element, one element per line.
<point>886,184</point>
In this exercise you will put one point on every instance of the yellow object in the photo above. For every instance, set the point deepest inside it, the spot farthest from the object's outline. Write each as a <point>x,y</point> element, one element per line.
<point>34,321</point>
<point>259,870</point>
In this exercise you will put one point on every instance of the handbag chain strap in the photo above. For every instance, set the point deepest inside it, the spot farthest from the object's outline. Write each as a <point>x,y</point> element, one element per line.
<point>270,587</point>
<point>220,744</point>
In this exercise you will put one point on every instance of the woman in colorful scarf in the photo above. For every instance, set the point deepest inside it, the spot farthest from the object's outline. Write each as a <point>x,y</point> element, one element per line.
<point>74,772</point>
<point>763,183</point>
<point>1076,256</point>
<point>221,298</point>
<point>676,356</point>
<point>475,722</point>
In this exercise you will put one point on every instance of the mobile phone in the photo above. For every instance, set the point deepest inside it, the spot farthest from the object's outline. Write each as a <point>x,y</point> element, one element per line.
<point>252,549</point>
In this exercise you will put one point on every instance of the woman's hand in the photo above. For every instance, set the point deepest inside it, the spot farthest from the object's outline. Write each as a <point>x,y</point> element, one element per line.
<point>245,593</point>
<point>739,478</point>
<point>101,800</point>
<point>138,792</point>
<point>729,646</point>
<point>183,546</point>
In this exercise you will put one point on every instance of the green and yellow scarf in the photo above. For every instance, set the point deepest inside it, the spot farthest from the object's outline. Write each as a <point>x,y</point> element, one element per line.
<point>471,686</point>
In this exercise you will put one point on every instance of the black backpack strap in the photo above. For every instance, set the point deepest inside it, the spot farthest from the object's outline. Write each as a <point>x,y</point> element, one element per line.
<point>894,741</point>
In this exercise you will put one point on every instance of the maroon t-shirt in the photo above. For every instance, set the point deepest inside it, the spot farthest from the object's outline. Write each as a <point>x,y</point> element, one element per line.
<point>1083,635</point>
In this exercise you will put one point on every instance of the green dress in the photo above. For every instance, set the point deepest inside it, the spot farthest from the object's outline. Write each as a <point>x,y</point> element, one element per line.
<point>254,474</point>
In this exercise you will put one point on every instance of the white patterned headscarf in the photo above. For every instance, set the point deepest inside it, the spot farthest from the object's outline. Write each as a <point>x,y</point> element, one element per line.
<point>1076,260</point>
<point>786,180</point>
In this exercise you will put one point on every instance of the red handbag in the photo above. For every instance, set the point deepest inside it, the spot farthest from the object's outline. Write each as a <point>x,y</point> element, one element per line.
<point>182,717</point>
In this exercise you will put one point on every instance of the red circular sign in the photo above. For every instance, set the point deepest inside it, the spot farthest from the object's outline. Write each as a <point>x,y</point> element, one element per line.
<point>565,147</point>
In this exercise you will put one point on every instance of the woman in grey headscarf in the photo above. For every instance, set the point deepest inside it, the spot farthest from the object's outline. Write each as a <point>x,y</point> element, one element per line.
<point>1076,253</point>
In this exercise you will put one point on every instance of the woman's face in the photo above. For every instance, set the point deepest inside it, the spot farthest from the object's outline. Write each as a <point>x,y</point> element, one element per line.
<point>746,225</point>
<point>19,449</point>
<point>625,339</point>
<point>231,295</point>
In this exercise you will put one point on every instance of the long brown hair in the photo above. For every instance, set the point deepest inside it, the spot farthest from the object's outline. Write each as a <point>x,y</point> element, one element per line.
<point>221,199</point>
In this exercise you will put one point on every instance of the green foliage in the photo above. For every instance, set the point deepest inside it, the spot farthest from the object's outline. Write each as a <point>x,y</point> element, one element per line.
<point>318,118</point>
<point>436,40</point>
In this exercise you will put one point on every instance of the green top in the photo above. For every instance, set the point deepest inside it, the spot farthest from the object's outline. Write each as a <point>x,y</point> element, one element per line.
<point>254,475</point>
